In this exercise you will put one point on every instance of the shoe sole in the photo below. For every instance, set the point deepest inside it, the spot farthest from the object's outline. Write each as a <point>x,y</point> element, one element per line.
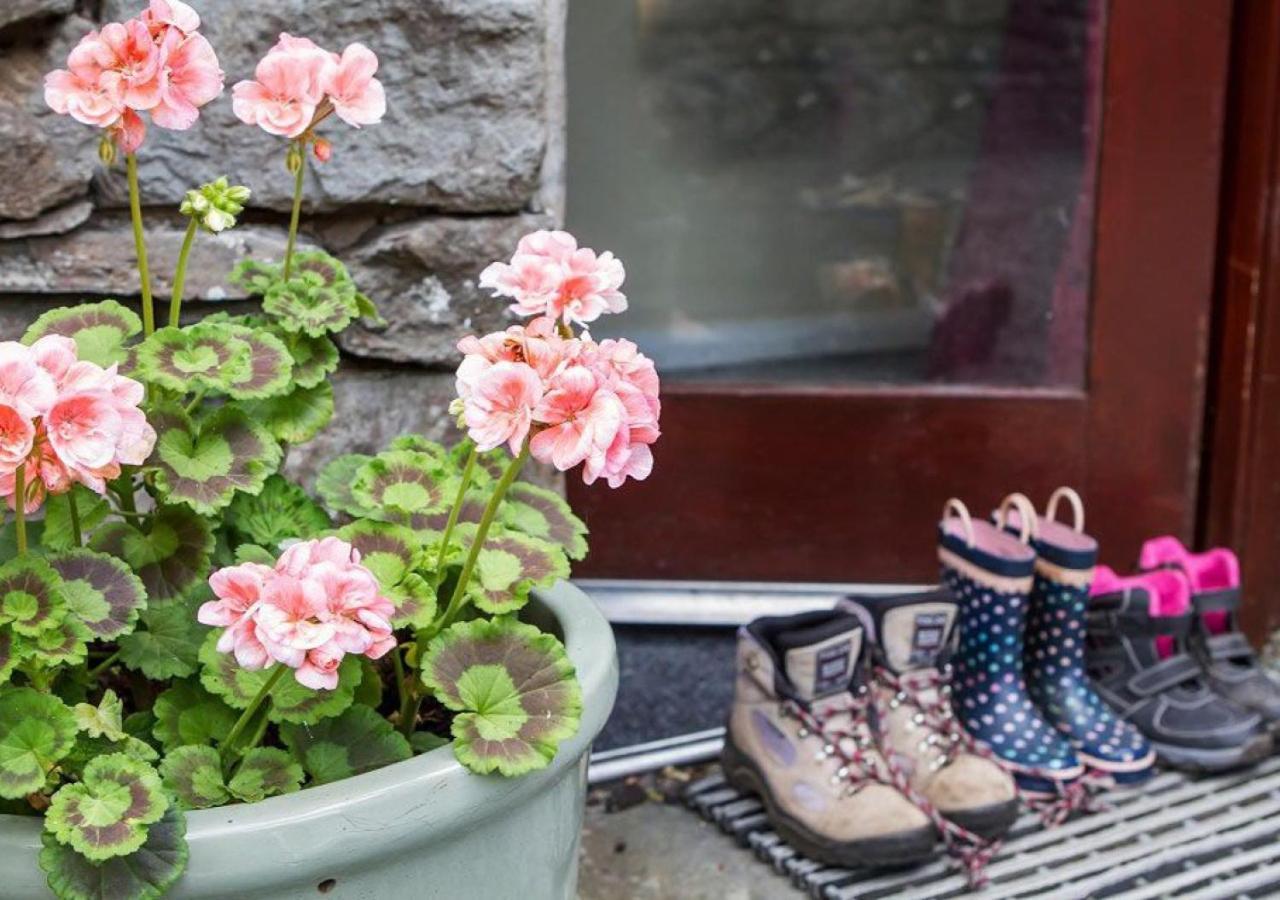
<point>990,822</point>
<point>902,848</point>
<point>1195,759</point>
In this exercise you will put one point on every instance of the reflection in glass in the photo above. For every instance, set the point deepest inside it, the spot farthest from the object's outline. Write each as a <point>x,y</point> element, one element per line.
<point>841,190</point>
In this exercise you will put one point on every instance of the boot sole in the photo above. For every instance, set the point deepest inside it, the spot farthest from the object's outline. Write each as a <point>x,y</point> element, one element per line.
<point>1194,759</point>
<point>902,848</point>
<point>989,822</point>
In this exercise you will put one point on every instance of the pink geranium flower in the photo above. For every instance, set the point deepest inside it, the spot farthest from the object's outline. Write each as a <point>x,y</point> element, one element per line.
<point>85,99</point>
<point>192,79</point>
<point>549,274</point>
<point>124,59</point>
<point>500,408</point>
<point>17,437</point>
<point>317,604</point>
<point>582,418</point>
<point>357,97</point>
<point>163,15</point>
<point>24,385</point>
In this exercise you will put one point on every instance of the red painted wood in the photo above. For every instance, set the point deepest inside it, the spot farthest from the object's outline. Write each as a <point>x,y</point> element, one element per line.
<point>846,483</point>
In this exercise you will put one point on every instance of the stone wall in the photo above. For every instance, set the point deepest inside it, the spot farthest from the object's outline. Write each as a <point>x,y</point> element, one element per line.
<point>468,158</point>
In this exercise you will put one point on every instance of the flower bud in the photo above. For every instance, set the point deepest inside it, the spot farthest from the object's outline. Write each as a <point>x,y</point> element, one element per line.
<point>107,150</point>
<point>293,159</point>
<point>323,150</point>
<point>215,205</point>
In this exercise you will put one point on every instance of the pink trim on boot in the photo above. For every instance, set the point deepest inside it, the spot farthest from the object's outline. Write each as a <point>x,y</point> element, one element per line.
<point>1168,589</point>
<point>1213,570</point>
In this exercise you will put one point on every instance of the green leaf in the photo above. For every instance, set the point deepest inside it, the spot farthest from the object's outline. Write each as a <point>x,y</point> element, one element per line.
<point>203,466</point>
<point>357,741</point>
<point>100,330</point>
<point>513,689</point>
<point>320,268</point>
<point>300,305</point>
<point>469,515</point>
<point>188,714</point>
<point>64,644</point>
<point>194,774</point>
<point>391,553</point>
<point>31,598</point>
<point>36,731</point>
<point>489,465</point>
<point>58,535</point>
<point>167,645</point>
<point>541,513</point>
<point>107,813</point>
<point>509,566</point>
<point>101,591</point>
<point>143,875</point>
<point>10,653</point>
<point>370,691</point>
<point>254,276</point>
<point>425,742</point>
<point>368,310</point>
<point>171,558</point>
<point>333,484</point>
<point>254,554</point>
<point>420,444</point>
<point>297,417</point>
<point>269,367</point>
<point>265,772</point>
<point>282,510</point>
<point>290,701</point>
<point>314,358</point>
<point>405,484</point>
<point>104,720</point>
<point>208,356</point>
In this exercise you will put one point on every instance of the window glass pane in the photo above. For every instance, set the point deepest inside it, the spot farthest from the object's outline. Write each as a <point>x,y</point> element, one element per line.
<point>823,191</point>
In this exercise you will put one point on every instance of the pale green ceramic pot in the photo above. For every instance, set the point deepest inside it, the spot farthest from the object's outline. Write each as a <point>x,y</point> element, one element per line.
<point>422,828</point>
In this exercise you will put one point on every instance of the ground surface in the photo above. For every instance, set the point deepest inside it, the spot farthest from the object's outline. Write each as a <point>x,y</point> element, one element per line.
<point>660,852</point>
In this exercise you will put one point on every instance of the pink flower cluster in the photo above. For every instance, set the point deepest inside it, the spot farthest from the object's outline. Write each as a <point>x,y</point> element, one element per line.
<point>65,420</point>
<point>297,84</point>
<point>550,275</point>
<point>588,403</point>
<point>156,63</point>
<point>313,608</point>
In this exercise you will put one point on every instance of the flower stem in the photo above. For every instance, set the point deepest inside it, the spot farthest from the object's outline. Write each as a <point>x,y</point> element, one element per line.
<point>144,275</point>
<point>76,534</point>
<point>245,717</point>
<point>180,274</point>
<point>467,471</point>
<point>298,178</point>
<point>458,600</point>
<point>409,699</point>
<point>20,507</point>
<point>104,665</point>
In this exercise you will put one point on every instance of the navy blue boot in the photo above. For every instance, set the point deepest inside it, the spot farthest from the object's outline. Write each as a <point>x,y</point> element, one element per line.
<point>1054,655</point>
<point>989,572</point>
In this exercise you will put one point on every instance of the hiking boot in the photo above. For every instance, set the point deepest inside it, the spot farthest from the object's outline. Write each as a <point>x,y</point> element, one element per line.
<point>1229,662</point>
<point>911,693</point>
<point>989,573</point>
<point>1053,658</point>
<point>1137,657</point>
<point>798,736</point>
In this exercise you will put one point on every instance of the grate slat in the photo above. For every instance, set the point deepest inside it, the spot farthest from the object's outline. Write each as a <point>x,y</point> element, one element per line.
<point>1198,874</point>
<point>1261,882</point>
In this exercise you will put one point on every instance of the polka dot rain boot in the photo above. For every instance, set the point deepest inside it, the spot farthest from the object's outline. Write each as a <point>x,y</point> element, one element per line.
<point>989,573</point>
<point>1054,655</point>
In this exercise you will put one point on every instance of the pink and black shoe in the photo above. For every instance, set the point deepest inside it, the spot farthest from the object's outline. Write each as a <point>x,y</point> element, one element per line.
<point>1054,655</point>
<point>1229,662</point>
<point>989,573</point>
<point>1138,660</point>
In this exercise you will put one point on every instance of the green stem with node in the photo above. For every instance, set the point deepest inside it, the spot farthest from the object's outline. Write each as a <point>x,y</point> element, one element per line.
<point>180,274</point>
<point>458,600</point>
<point>19,507</point>
<point>139,242</point>
<point>296,161</point>
<point>104,665</point>
<point>247,716</point>
<point>76,534</point>
<point>468,470</point>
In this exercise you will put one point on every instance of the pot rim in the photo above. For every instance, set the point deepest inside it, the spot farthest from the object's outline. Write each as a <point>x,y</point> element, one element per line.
<point>386,811</point>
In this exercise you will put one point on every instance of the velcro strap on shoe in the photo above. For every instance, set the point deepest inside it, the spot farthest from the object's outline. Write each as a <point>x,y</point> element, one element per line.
<point>1232,645</point>
<point>1163,675</point>
<point>1225,600</point>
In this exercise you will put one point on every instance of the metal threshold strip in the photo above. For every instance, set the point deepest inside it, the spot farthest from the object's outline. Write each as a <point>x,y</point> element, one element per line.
<point>719,603</point>
<point>1175,836</point>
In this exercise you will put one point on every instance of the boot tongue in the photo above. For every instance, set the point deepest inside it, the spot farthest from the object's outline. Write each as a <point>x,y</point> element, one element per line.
<point>914,636</point>
<point>820,660</point>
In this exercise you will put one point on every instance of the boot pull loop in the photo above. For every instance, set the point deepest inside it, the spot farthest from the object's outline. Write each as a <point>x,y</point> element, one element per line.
<point>962,513</point>
<point>1077,506</point>
<point>1026,513</point>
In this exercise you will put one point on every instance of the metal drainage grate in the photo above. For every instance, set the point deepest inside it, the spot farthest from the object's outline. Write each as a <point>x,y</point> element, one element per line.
<point>1177,836</point>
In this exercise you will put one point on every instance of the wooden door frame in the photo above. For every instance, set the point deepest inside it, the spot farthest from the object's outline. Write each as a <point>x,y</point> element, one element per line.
<point>1242,456</point>
<point>744,472</point>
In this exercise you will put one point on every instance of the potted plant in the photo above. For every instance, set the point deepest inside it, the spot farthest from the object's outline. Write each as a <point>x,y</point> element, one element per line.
<point>214,682</point>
